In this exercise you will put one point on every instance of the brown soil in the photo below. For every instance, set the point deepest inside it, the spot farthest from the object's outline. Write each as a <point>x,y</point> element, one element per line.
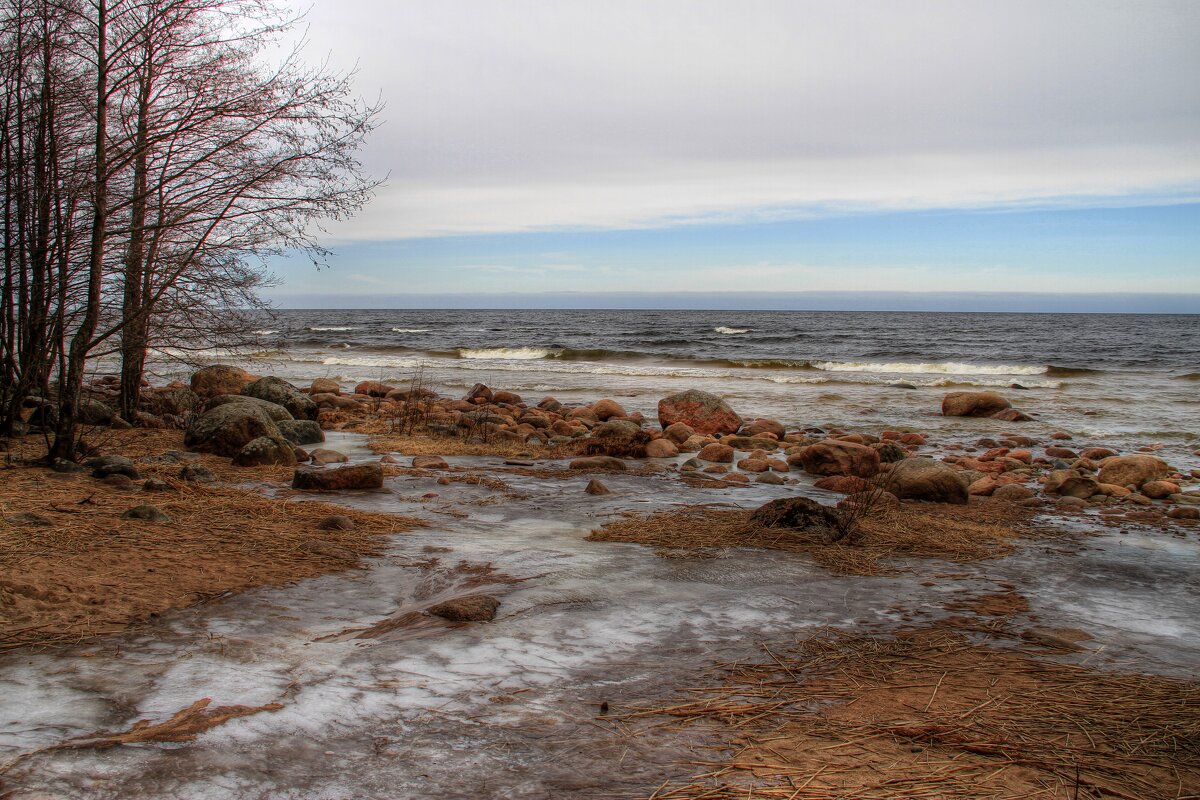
<point>927,714</point>
<point>87,572</point>
<point>956,533</point>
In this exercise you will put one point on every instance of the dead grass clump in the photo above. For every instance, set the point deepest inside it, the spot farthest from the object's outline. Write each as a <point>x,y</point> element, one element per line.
<point>955,533</point>
<point>928,715</point>
<point>82,570</point>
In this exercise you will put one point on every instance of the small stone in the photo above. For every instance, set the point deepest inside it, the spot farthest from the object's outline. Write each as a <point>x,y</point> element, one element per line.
<point>336,522</point>
<point>29,520</point>
<point>155,485</point>
<point>147,513</point>
<point>430,462</point>
<point>596,487</point>
<point>472,608</point>
<point>196,473</point>
<point>118,481</point>
<point>324,455</point>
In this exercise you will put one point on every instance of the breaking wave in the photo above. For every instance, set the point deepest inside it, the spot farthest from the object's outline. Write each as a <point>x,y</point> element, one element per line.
<point>410,330</point>
<point>723,329</point>
<point>941,368</point>
<point>507,353</point>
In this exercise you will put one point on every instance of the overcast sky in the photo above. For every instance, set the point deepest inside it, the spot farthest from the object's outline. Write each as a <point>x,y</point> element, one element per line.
<point>578,121</point>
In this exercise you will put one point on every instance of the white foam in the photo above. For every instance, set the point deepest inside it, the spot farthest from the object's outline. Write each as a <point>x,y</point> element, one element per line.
<point>316,328</point>
<point>507,353</point>
<point>937,368</point>
<point>410,330</point>
<point>264,333</point>
<point>723,329</point>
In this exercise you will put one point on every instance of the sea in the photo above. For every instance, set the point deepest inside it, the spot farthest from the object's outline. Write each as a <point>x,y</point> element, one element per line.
<point>1129,380</point>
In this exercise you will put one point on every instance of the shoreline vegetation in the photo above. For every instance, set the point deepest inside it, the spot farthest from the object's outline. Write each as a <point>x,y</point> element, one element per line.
<point>214,495</point>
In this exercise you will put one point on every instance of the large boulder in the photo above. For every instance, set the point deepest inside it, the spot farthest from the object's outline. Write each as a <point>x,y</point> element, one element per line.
<point>1133,470</point>
<point>834,457</point>
<point>355,476</point>
<point>973,404</point>
<point>703,412</point>
<point>226,429</point>
<point>272,410</point>
<point>301,431</point>
<point>220,379</point>
<point>278,391</point>
<point>926,479</point>
<point>179,401</point>
<point>266,450</point>
<point>93,412</point>
<point>325,386</point>
<point>1069,483</point>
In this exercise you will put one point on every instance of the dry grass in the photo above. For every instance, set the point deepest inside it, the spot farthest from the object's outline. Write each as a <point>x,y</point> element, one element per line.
<point>927,715</point>
<point>955,533</point>
<point>88,572</point>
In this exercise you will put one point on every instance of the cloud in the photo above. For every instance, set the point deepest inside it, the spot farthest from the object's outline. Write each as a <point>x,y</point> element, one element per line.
<point>541,115</point>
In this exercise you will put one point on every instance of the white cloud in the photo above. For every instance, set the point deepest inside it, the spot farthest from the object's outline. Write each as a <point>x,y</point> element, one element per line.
<point>537,114</point>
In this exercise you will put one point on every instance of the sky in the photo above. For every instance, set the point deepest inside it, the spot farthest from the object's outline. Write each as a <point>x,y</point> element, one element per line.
<point>707,150</point>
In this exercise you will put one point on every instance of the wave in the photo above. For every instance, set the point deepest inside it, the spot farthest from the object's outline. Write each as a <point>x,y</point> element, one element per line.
<point>410,330</point>
<point>939,368</point>
<point>723,329</point>
<point>330,328</point>
<point>506,353</point>
<point>264,333</point>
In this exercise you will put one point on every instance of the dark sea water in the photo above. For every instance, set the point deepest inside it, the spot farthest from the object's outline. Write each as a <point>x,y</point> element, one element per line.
<point>1134,377</point>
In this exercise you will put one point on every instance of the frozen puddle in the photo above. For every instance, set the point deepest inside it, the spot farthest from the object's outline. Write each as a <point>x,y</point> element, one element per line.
<point>511,708</point>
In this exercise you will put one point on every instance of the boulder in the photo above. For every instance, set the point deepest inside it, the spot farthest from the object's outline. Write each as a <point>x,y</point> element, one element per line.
<point>1069,483</point>
<point>661,448</point>
<point>842,484</point>
<point>323,455</point>
<point>973,404</point>
<point>607,409</point>
<point>356,476</point>
<point>373,389</point>
<point>301,431</point>
<point>178,401</point>
<point>1134,470</point>
<point>705,413</point>
<point>226,429</point>
<point>325,386</point>
<point>678,433</point>
<point>1012,492</point>
<point>219,379</point>
<point>716,452</point>
<point>1011,415</point>
<point>93,412</point>
<point>429,462</point>
<point>598,462</point>
<point>762,425</point>
<point>1184,512</point>
<point>472,608</point>
<point>928,480</point>
<point>272,410</point>
<point>336,522</point>
<point>266,450</point>
<point>835,457</point>
<point>278,391</point>
<point>196,473</point>
<point>104,466</point>
<point>1159,490</point>
<point>798,513</point>
<point>754,465</point>
<point>479,395</point>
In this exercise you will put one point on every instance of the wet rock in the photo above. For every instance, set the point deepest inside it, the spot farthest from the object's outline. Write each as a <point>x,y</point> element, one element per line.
<point>737,477</point>
<point>301,431</point>
<point>842,484</point>
<point>716,452</point>
<point>799,513</point>
<point>1011,415</point>
<point>750,443</point>
<point>226,429</point>
<point>325,386</point>
<point>1159,490</point>
<point>479,395</point>
<point>147,513</point>
<point>1134,470</point>
<point>1184,512</point>
<point>355,476</point>
<point>1069,483</point>
<point>336,522</point>
<point>889,452</point>
<point>678,433</point>
<point>1013,493</point>
<point>927,479</point>
<point>598,462</point>
<point>1068,502</point>
<point>1061,452</point>
<point>1061,436</point>
<point>662,448</point>
<point>265,451</point>
<point>836,457</point>
<point>763,425</point>
<point>280,392</point>
<point>472,608</point>
<point>973,404</point>
<point>429,462</point>
<point>219,379</point>
<point>771,479</point>
<point>703,412</point>
<point>753,465</point>
<point>506,398</point>
<point>1183,498</point>
<point>595,487</point>
<point>196,473</point>
<point>323,455</point>
<point>1097,453</point>
<point>375,389</point>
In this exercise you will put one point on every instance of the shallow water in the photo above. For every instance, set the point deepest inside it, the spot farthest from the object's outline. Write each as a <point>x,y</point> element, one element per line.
<point>510,708</point>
